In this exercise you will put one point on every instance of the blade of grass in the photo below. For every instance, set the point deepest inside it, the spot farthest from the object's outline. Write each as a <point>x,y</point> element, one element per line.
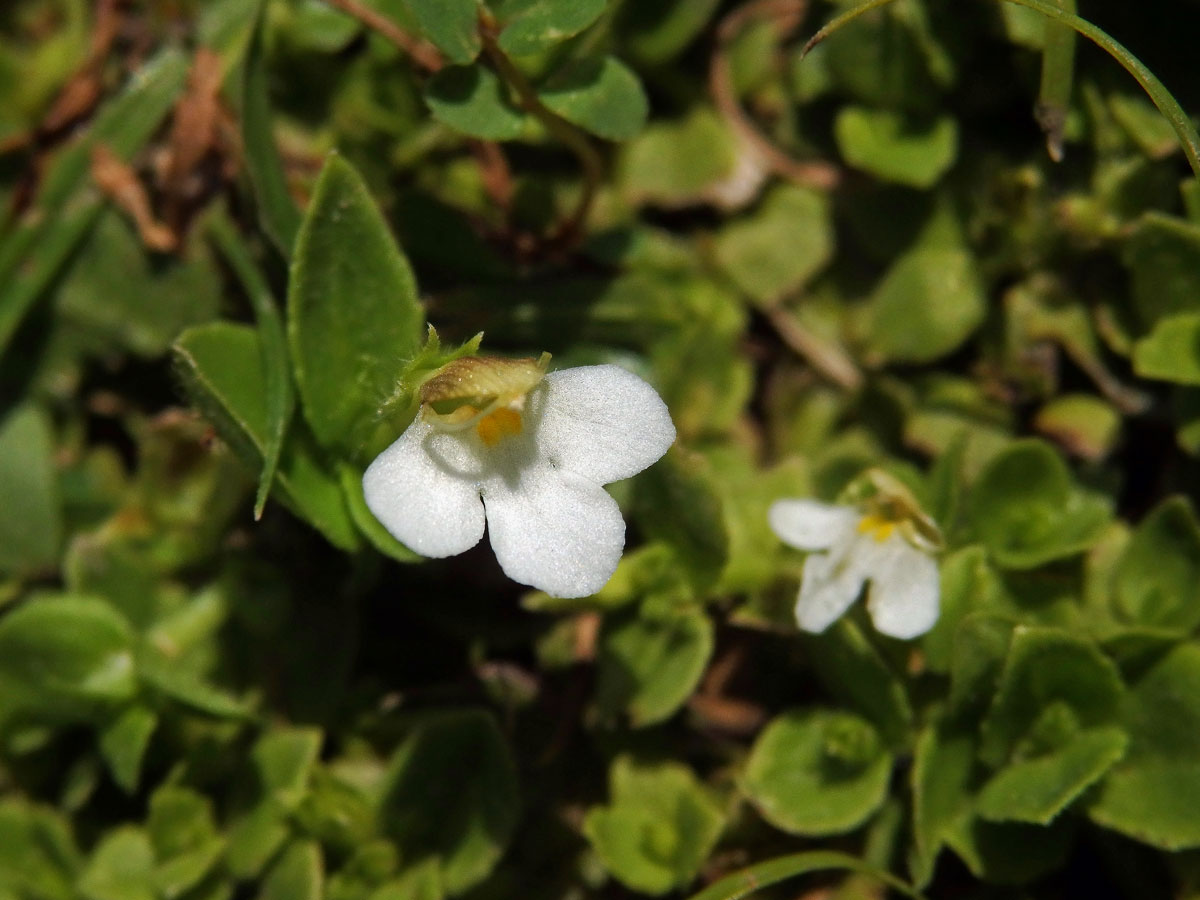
<point>753,878</point>
<point>277,212</point>
<point>280,399</point>
<point>1159,95</point>
<point>32,253</point>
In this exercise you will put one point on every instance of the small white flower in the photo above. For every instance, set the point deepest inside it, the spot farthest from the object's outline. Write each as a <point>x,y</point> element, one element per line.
<point>850,547</point>
<point>500,440</point>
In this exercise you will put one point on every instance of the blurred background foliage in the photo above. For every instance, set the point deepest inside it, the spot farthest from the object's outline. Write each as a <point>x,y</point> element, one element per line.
<point>951,242</point>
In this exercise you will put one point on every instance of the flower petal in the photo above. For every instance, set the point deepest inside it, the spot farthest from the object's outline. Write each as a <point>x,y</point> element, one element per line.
<point>829,584</point>
<point>423,490</point>
<point>553,530</point>
<point>903,601</point>
<point>600,422</point>
<point>810,524</point>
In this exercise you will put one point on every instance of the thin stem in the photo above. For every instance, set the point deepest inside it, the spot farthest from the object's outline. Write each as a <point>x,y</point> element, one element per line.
<point>1058,70</point>
<point>423,54</point>
<point>788,15</point>
<point>827,359</point>
<point>560,128</point>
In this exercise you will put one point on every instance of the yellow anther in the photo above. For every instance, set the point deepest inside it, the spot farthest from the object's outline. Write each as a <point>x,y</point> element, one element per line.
<point>501,423</point>
<point>876,526</point>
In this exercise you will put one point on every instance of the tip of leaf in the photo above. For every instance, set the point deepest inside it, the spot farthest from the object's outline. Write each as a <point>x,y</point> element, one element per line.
<point>260,500</point>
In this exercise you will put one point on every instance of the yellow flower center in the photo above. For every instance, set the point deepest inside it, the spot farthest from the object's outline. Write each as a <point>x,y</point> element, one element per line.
<point>485,393</point>
<point>497,425</point>
<point>876,526</point>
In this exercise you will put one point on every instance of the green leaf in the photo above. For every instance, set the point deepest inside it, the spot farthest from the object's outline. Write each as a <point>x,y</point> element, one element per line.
<point>184,834</point>
<point>677,502</point>
<point>774,251</point>
<point>30,510</point>
<point>123,744</point>
<point>1027,511</point>
<point>119,294</point>
<point>1157,578</point>
<point>298,874</point>
<point>277,212</point>
<point>1171,351</point>
<point>420,882</point>
<point>121,867</point>
<point>929,302</point>
<point>600,94</point>
<point>1152,795</point>
<point>38,857</point>
<point>472,99</point>
<point>891,146</point>
<point>71,658</point>
<point>1053,683</point>
<point>658,828</point>
<point>852,669</point>
<point>221,368</point>
<point>178,820</point>
<point>166,676</point>
<point>676,163</point>
<point>1162,255</point>
<point>282,763</point>
<point>1037,790</point>
<point>655,32</point>
<point>531,26</point>
<point>649,661</point>
<point>278,397</point>
<point>451,25</point>
<point>967,584</point>
<point>751,879</point>
<point>1011,852</point>
<point>1082,424</point>
<point>353,315</point>
<point>817,772</point>
<point>977,656</point>
<point>941,781</point>
<point>451,791</point>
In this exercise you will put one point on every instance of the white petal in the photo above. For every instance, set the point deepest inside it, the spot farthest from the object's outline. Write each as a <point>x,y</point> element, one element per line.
<point>903,601</point>
<point>554,530</point>
<point>600,422</point>
<point>811,525</point>
<point>423,490</point>
<point>829,584</point>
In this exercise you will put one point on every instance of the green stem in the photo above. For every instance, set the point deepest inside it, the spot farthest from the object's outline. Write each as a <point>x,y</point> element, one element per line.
<point>1058,70</point>
<point>1161,97</point>
<point>754,878</point>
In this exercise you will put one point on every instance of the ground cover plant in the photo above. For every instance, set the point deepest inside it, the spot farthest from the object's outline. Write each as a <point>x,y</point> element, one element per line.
<point>829,398</point>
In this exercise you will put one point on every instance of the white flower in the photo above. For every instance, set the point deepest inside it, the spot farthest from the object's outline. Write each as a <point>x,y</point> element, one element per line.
<point>849,548</point>
<point>501,440</point>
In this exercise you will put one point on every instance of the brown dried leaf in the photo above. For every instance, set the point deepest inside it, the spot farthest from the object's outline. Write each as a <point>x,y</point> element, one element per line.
<point>195,125</point>
<point>119,182</point>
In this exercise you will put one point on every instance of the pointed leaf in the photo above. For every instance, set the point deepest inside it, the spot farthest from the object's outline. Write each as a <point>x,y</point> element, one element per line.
<point>600,94</point>
<point>451,25</point>
<point>472,99</point>
<point>221,367</point>
<point>277,210</point>
<point>535,25</point>
<point>353,315</point>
